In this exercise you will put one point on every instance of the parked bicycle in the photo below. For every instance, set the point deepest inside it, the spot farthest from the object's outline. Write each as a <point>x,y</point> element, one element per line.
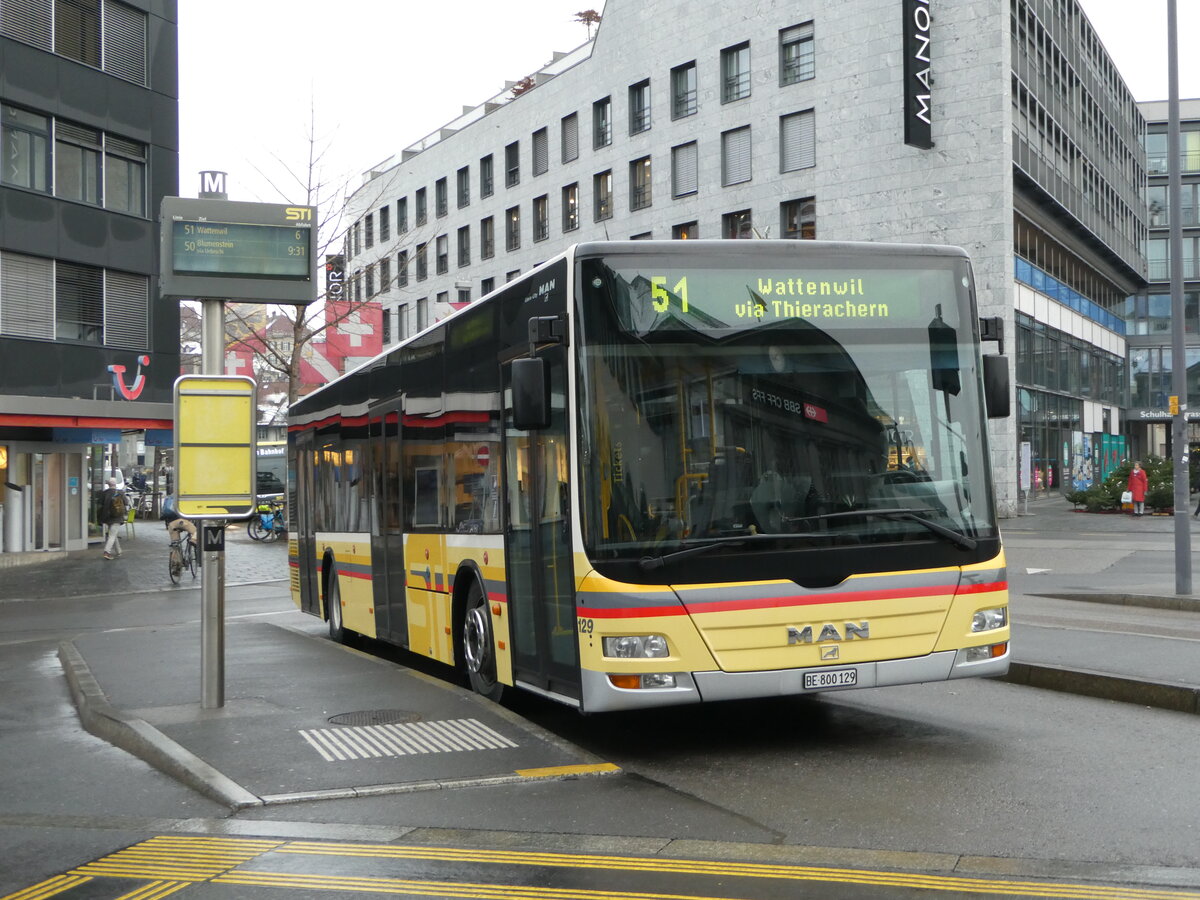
<point>181,556</point>
<point>267,524</point>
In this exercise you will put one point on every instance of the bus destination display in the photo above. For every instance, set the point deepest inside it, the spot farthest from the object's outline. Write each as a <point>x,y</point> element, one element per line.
<point>234,249</point>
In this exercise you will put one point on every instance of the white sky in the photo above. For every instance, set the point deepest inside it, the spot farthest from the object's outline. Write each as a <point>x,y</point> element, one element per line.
<point>379,75</point>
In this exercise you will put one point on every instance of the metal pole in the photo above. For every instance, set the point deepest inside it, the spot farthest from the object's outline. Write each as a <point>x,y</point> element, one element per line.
<point>212,563</point>
<point>1179,426</point>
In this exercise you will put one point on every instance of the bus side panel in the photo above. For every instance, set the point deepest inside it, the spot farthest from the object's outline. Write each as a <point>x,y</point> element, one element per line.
<point>607,608</point>
<point>984,586</point>
<point>487,553</point>
<point>428,598</point>
<point>352,563</point>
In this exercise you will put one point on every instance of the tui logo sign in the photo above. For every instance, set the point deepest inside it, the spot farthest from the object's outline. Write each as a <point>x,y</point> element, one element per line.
<point>133,391</point>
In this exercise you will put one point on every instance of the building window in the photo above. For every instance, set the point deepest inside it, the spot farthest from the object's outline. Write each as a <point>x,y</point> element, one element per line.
<point>570,207</point>
<point>385,274</point>
<point>640,195</point>
<point>683,90</point>
<point>796,59</point>
<point>441,197</point>
<point>464,295</point>
<point>684,169</point>
<point>486,286</point>
<point>401,321</point>
<point>442,251</point>
<point>24,149</point>
<point>797,141</point>
<point>487,238</point>
<point>541,218</point>
<point>78,303</point>
<point>370,281</point>
<point>737,224</point>
<point>356,232</point>
<point>541,152</point>
<point>735,72</point>
<point>422,263</point>
<point>77,154</point>
<point>602,191</point>
<point>387,326</point>
<point>643,236</point>
<point>77,30</point>
<point>602,123</point>
<point>464,246</point>
<point>687,231</point>
<point>486,176</point>
<point>26,296</point>
<point>443,298</point>
<point>369,230</point>
<point>464,186</point>
<point>385,223</point>
<point>512,164</point>
<point>422,313</point>
<point>735,156</point>
<point>402,269</point>
<point>570,138</point>
<point>124,175</point>
<point>126,310</point>
<point>512,228</point>
<point>639,107</point>
<point>357,283</point>
<point>422,212</point>
<point>402,215</point>
<point>513,275</point>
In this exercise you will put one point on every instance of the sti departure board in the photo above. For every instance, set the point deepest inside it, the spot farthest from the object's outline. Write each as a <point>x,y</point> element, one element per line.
<point>235,249</point>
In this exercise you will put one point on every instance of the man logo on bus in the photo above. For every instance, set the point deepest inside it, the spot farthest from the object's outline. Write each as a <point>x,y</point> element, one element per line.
<point>829,632</point>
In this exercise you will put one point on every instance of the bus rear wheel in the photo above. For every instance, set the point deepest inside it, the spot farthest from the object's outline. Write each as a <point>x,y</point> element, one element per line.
<point>479,646</point>
<point>333,609</point>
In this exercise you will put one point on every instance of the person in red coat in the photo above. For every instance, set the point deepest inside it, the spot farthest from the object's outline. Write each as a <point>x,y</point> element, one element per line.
<point>1137,487</point>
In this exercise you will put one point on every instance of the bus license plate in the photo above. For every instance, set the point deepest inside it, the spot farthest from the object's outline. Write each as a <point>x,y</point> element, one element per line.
<point>830,678</point>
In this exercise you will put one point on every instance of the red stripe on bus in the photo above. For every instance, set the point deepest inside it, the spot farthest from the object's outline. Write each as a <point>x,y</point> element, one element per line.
<point>366,576</point>
<point>700,606</point>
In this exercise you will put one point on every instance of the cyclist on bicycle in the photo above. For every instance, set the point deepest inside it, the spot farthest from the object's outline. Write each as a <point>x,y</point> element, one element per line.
<point>177,524</point>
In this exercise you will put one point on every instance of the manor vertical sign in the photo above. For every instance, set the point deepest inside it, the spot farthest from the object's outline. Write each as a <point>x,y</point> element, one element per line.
<point>918,96</point>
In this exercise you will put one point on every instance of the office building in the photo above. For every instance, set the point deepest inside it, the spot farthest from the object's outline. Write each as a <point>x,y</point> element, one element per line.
<point>1000,127</point>
<point>88,356</point>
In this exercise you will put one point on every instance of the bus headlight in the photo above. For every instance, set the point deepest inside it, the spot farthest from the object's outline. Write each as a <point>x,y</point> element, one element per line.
<point>990,619</point>
<point>636,646</point>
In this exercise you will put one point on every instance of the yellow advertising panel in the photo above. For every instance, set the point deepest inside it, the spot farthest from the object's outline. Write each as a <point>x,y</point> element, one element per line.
<point>214,446</point>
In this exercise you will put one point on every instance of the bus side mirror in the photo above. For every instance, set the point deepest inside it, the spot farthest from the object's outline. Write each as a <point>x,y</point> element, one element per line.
<point>995,386</point>
<point>530,394</point>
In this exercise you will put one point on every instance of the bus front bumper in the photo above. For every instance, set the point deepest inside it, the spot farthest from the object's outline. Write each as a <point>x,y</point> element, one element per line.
<point>600,695</point>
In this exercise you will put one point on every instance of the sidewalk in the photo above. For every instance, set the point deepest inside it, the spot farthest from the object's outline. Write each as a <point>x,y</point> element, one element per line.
<point>1093,605</point>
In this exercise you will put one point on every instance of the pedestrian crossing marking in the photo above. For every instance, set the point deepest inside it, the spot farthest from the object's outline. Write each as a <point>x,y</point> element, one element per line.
<point>406,739</point>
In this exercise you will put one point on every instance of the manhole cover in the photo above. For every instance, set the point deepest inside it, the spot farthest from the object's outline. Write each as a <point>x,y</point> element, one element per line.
<point>375,717</point>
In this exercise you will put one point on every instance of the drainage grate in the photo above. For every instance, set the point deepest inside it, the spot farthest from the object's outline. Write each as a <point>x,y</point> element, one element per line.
<point>404,739</point>
<point>375,717</point>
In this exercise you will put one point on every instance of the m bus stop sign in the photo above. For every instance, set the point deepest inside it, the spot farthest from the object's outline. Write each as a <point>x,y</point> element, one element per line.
<point>214,446</point>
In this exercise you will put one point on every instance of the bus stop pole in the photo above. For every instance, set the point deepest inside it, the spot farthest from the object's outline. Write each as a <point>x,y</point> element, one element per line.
<point>212,562</point>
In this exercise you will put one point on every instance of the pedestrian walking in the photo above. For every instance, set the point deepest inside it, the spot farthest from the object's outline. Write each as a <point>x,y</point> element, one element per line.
<point>112,516</point>
<point>1137,488</point>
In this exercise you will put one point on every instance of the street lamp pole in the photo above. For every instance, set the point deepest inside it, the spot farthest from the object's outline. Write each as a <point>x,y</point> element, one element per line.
<point>1179,385</point>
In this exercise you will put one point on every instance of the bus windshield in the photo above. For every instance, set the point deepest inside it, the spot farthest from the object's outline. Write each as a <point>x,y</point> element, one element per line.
<point>782,401</point>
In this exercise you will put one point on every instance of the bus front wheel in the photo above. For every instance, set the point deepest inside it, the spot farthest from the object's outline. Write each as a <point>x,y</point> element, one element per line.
<point>479,647</point>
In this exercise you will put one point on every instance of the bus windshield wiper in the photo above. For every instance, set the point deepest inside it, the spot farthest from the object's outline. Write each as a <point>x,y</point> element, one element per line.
<point>650,563</point>
<point>912,515</point>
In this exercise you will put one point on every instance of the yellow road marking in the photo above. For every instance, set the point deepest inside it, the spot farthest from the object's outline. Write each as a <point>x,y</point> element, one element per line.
<point>160,860</point>
<point>48,888</point>
<point>555,771</point>
<point>749,870</point>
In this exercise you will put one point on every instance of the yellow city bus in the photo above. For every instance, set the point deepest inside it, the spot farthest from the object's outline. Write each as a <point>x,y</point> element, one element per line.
<point>650,473</point>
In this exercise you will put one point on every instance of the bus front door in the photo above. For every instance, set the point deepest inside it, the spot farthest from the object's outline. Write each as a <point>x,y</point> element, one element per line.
<point>541,589</point>
<point>387,541</point>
